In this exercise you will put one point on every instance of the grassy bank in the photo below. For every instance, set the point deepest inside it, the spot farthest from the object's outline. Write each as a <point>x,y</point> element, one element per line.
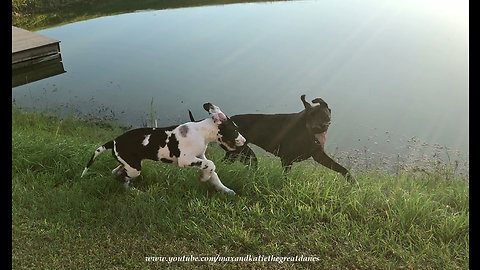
<point>38,14</point>
<point>59,220</point>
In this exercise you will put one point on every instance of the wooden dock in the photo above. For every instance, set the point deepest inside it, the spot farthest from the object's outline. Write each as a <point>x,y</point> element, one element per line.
<point>29,48</point>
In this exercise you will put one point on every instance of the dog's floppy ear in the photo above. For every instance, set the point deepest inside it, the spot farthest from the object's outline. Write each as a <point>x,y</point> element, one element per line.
<point>217,115</point>
<point>305,103</point>
<point>208,106</point>
<point>320,101</point>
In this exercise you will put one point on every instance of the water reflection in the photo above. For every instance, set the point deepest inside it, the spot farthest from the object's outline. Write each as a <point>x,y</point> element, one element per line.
<point>48,67</point>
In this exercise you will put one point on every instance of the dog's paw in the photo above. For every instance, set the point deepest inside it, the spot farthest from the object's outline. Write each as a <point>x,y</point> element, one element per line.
<point>230,192</point>
<point>351,179</point>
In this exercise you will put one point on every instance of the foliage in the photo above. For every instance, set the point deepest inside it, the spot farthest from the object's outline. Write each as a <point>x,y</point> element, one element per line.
<point>39,14</point>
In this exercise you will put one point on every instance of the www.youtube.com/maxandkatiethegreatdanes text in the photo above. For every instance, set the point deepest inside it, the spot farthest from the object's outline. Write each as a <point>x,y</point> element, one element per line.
<point>247,258</point>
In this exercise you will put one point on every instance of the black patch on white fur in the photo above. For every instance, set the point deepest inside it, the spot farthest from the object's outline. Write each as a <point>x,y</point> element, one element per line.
<point>196,164</point>
<point>130,148</point>
<point>173,146</point>
<point>183,130</point>
<point>166,160</point>
<point>228,132</point>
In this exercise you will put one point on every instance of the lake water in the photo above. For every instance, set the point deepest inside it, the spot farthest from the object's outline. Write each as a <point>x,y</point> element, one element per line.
<point>394,73</point>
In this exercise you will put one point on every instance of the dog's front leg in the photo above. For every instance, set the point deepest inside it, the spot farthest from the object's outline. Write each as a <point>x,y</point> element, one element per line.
<point>208,171</point>
<point>321,157</point>
<point>215,181</point>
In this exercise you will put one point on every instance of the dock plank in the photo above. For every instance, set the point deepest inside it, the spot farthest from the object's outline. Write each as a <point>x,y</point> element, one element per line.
<point>27,45</point>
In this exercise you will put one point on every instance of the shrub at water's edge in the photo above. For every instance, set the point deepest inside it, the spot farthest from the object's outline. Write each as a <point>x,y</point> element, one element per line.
<point>35,15</point>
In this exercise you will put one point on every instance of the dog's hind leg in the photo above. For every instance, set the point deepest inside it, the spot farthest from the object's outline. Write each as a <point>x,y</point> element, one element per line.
<point>117,170</point>
<point>126,174</point>
<point>128,169</point>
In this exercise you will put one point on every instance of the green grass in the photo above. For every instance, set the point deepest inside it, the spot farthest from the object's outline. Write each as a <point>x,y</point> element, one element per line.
<point>39,14</point>
<point>59,220</point>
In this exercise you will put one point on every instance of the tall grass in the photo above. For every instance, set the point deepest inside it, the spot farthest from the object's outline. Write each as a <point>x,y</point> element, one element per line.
<point>59,220</point>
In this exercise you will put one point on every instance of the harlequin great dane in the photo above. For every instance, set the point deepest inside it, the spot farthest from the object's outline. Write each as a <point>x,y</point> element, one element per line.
<point>183,145</point>
<point>293,137</point>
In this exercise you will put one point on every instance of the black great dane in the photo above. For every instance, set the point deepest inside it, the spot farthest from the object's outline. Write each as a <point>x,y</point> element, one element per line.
<point>293,137</point>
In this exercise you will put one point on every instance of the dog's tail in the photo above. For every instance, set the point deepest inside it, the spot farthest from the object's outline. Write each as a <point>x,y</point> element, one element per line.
<point>101,149</point>
<point>191,116</point>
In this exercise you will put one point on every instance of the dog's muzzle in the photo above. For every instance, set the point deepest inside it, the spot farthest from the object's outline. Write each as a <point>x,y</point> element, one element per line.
<point>240,140</point>
<point>320,134</point>
<point>321,138</point>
